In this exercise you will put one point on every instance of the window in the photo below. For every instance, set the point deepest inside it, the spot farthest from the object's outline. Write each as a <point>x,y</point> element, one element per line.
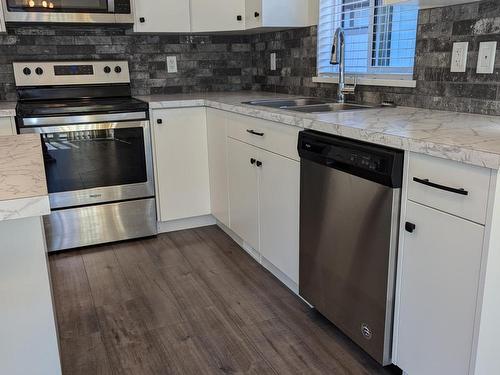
<point>380,39</point>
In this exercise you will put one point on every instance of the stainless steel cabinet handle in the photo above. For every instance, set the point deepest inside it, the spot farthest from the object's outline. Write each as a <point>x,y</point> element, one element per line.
<point>251,131</point>
<point>427,182</point>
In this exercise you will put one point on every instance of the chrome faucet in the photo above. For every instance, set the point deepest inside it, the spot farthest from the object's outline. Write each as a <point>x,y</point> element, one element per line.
<point>338,58</point>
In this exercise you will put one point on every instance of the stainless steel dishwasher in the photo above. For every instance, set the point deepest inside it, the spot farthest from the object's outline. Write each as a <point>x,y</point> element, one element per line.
<point>349,218</point>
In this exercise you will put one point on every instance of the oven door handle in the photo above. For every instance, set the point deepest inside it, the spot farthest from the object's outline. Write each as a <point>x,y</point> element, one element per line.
<point>83,127</point>
<point>82,119</point>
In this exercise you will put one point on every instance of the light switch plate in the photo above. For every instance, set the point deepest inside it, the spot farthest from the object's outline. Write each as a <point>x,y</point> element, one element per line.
<point>459,57</point>
<point>172,64</point>
<point>273,61</point>
<point>486,59</point>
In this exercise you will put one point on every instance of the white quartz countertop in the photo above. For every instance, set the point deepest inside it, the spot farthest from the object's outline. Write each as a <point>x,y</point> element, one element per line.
<point>468,138</point>
<point>23,190</point>
<point>7,109</point>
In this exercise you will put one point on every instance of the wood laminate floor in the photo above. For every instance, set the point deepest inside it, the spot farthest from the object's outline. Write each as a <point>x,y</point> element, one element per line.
<point>189,302</point>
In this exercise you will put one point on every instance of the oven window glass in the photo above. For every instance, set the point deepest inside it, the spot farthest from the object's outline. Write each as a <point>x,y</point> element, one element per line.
<point>77,160</point>
<point>73,6</point>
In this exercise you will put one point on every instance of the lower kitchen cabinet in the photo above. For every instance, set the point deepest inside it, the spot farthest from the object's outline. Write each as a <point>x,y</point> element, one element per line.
<point>181,163</point>
<point>264,204</point>
<point>438,294</point>
<point>279,212</point>
<point>28,332</point>
<point>217,161</point>
<point>244,191</point>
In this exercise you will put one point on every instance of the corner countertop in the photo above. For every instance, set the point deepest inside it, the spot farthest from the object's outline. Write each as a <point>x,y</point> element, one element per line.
<point>467,138</point>
<point>7,109</point>
<point>23,190</point>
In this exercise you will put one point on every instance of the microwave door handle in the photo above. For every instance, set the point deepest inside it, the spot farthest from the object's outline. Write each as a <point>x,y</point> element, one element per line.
<point>111,6</point>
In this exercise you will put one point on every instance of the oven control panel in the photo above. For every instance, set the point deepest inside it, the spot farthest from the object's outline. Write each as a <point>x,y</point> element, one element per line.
<point>70,73</point>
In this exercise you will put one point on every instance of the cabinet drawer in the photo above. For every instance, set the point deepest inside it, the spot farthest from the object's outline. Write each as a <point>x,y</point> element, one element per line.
<point>271,136</point>
<point>456,188</point>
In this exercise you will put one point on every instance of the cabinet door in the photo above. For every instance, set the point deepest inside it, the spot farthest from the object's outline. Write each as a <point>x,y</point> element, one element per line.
<point>243,191</point>
<point>439,285</point>
<point>2,21</point>
<point>181,163</point>
<point>217,15</point>
<point>279,212</point>
<point>253,14</point>
<point>161,16</point>
<point>217,161</point>
<point>6,126</point>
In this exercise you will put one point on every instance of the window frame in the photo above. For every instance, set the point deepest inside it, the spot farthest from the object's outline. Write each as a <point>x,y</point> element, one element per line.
<point>378,75</point>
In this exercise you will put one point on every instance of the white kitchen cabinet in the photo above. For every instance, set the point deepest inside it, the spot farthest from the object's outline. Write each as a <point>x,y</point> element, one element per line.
<point>181,163</point>
<point>222,15</point>
<point>153,16</point>
<point>2,20</point>
<point>279,212</point>
<point>7,126</point>
<point>217,15</point>
<point>28,333</point>
<point>440,274</point>
<point>276,13</point>
<point>217,161</point>
<point>244,191</point>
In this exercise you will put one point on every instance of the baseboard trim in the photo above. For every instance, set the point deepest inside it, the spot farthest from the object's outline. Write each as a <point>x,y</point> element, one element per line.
<point>188,223</point>
<point>249,249</point>
<point>262,260</point>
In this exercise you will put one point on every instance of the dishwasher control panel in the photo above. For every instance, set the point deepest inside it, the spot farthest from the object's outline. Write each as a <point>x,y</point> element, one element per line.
<point>378,163</point>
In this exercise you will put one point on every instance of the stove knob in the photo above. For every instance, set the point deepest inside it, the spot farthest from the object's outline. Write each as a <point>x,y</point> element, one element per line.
<point>27,71</point>
<point>39,71</point>
<point>118,69</point>
<point>107,69</point>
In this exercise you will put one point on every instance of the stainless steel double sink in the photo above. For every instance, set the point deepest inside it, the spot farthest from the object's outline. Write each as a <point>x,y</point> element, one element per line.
<point>308,105</point>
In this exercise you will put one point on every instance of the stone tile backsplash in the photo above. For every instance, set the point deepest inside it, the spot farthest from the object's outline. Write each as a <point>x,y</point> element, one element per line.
<point>240,62</point>
<point>437,88</point>
<point>205,63</point>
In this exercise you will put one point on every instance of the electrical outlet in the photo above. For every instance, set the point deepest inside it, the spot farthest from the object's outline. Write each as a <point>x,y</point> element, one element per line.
<point>459,57</point>
<point>273,61</point>
<point>172,64</point>
<point>486,59</point>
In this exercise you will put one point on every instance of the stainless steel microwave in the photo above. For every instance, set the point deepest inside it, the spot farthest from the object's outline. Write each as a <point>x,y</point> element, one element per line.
<point>68,11</point>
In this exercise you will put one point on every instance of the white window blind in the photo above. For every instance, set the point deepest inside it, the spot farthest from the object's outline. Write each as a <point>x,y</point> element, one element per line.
<point>380,39</point>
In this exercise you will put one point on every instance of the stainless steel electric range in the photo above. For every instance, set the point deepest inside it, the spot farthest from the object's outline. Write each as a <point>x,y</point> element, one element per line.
<point>97,150</point>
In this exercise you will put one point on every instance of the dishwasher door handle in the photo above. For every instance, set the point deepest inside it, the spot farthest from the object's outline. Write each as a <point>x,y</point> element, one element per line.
<point>427,182</point>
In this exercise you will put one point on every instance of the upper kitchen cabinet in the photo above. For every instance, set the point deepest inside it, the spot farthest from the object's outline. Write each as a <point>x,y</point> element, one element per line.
<point>429,3</point>
<point>2,21</point>
<point>203,16</point>
<point>217,15</point>
<point>277,13</point>
<point>153,16</point>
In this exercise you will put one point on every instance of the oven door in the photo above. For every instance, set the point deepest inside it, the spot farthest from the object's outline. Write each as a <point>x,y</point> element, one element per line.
<point>71,11</point>
<point>95,163</point>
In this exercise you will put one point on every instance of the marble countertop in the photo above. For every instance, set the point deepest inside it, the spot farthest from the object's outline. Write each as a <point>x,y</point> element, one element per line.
<point>7,109</point>
<point>23,190</point>
<point>468,138</point>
